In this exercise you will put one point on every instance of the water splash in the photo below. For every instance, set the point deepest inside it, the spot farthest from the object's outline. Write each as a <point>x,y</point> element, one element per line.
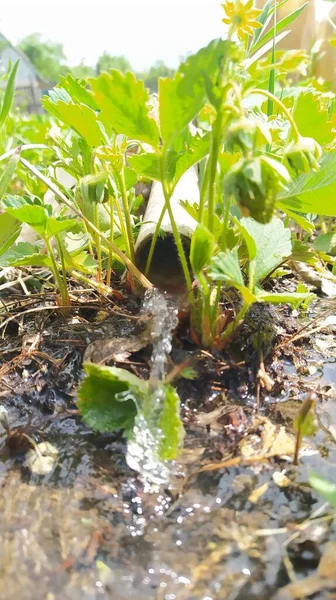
<point>163,309</point>
<point>143,448</point>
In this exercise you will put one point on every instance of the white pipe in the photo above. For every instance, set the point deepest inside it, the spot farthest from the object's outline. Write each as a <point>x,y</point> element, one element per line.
<point>166,271</point>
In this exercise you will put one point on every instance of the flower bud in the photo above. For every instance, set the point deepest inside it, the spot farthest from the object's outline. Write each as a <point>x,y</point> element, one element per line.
<point>245,134</point>
<point>93,188</point>
<point>303,155</point>
<point>255,183</point>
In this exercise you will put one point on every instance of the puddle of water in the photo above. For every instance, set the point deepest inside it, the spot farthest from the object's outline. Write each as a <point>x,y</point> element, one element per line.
<point>90,530</point>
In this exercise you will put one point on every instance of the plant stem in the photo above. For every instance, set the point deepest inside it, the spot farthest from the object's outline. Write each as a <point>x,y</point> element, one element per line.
<point>204,190</point>
<point>98,246</point>
<point>121,179</point>
<point>178,242</point>
<point>110,254</point>
<point>231,328</point>
<point>100,287</point>
<point>281,106</point>
<point>297,447</point>
<point>126,261</point>
<point>154,240</point>
<point>62,288</point>
<point>215,146</point>
<point>61,255</point>
<point>226,213</point>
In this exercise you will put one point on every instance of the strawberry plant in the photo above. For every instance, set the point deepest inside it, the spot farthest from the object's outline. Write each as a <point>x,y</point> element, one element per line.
<point>234,110</point>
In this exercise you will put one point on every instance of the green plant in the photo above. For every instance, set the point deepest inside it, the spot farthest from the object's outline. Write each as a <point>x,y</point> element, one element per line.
<point>304,423</point>
<point>111,399</point>
<point>327,489</point>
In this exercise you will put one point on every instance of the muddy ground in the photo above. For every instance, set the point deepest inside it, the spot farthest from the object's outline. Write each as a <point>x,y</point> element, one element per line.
<point>231,525</point>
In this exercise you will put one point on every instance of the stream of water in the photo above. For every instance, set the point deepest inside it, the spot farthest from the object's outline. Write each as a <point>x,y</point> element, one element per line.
<point>143,448</point>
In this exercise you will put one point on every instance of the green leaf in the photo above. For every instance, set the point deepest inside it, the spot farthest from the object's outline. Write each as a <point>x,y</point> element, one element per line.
<point>186,150</point>
<point>8,173</point>
<point>192,210</point>
<point>82,262</point>
<point>248,239</point>
<point>318,125</point>
<point>304,421</point>
<point>57,224</point>
<point>326,243</point>
<point>313,192</point>
<point>9,94</point>
<point>79,117</point>
<point>36,216</point>
<point>170,425</point>
<point>147,164</point>
<point>201,249</point>
<point>273,243</point>
<point>302,252</point>
<point>182,98</point>
<point>283,298</point>
<point>9,231</point>
<point>25,254</point>
<point>26,211</point>
<point>325,488</point>
<point>299,219</point>
<point>98,402</point>
<point>225,267</point>
<point>124,106</point>
<point>78,91</point>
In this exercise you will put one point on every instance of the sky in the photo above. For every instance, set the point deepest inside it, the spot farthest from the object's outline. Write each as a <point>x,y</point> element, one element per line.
<point>142,30</point>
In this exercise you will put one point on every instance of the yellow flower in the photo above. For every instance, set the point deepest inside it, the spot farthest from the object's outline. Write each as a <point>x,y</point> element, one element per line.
<point>241,16</point>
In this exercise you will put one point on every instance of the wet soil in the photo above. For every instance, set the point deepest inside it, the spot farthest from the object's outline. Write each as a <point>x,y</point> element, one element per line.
<point>226,527</point>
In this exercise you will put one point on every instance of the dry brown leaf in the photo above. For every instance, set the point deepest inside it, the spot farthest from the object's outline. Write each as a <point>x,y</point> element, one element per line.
<point>115,349</point>
<point>267,438</point>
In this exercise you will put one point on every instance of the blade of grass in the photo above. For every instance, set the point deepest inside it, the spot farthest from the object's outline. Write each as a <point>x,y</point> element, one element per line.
<point>9,93</point>
<point>9,172</point>
<point>264,49</point>
<point>279,27</point>
<point>271,82</point>
<point>264,20</point>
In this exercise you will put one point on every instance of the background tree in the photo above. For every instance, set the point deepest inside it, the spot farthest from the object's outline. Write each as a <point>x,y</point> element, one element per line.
<point>48,57</point>
<point>106,62</point>
<point>82,71</point>
<point>150,77</point>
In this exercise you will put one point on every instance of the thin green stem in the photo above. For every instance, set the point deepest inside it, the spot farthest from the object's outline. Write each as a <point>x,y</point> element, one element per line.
<point>154,240</point>
<point>204,191</point>
<point>281,106</point>
<point>226,214</point>
<point>122,227</point>
<point>110,253</point>
<point>215,146</point>
<point>178,240</point>
<point>214,310</point>
<point>121,179</point>
<point>98,245</point>
<point>100,287</point>
<point>233,326</point>
<point>62,288</point>
<point>177,237</point>
<point>61,255</point>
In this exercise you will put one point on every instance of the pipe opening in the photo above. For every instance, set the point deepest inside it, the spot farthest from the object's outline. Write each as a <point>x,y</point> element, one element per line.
<point>166,271</point>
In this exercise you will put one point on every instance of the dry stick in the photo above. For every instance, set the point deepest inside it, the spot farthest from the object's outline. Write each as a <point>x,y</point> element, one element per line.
<point>131,267</point>
<point>298,335</point>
